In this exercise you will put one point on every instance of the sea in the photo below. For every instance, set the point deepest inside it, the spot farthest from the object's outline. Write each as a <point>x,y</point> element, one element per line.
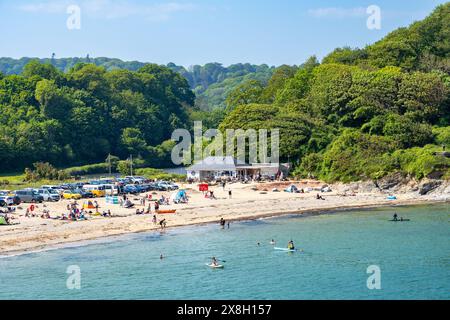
<point>354,254</point>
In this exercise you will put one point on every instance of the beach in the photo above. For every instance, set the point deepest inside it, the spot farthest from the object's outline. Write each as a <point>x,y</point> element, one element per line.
<point>248,201</point>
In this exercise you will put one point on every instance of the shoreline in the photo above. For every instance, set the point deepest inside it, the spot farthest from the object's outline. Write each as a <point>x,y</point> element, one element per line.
<point>255,216</point>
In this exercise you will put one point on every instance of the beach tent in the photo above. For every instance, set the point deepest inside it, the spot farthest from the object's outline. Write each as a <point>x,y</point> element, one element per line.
<point>292,188</point>
<point>88,205</point>
<point>2,221</point>
<point>179,196</point>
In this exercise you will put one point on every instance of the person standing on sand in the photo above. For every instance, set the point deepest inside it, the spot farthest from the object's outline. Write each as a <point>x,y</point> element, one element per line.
<point>229,194</point>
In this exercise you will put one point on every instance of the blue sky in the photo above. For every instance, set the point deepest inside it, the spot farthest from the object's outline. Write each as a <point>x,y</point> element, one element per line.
<point>189,32</point>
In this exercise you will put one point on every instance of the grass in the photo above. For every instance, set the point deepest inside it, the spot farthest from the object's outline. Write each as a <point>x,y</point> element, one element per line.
<point>15,181</point>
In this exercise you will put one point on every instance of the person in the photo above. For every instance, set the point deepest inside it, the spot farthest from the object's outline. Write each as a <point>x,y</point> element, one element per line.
<point>154,219</point>
<point>228,224</point>
<point>223,185</point>
<point>291,245</point>
<point>128,204</point>
<point>156,205</point>
<point>214,261</point>
<point>395,217</point>
<point>222,223</point>
<point>161,256</point>
<point>229,194</point>
<point>272,241</point>
<point>162,223</point>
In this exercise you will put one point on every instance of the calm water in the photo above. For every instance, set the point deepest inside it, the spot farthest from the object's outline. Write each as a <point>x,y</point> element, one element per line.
<point>414,258</point>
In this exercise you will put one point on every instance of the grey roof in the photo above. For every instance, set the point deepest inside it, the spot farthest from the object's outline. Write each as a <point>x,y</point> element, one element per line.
<point>227,163</point>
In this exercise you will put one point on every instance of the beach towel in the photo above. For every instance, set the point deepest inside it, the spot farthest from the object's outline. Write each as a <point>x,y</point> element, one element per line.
<point>3,221</point>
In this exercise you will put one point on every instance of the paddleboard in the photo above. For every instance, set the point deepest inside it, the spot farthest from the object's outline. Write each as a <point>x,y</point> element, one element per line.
<point>284,249</point>
<point>219,266</point>
<point>400,220</point>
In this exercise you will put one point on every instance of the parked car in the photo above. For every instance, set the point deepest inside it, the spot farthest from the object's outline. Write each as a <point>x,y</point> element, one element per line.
<point>165,186</point>
<point>8,200</point>
<point>29,195</point>
<point>136,179</point>
<point>130,188</point>
<point>59,190</point>
<point>48,194</point>
<point>84,193</point>
<point>69,194</point>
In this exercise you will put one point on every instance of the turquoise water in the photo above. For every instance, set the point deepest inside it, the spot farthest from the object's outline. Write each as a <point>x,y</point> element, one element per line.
<point>414,259</point>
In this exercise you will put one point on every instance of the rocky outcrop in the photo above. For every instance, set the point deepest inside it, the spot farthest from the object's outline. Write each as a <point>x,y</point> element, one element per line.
<point>428,185</point>
<point>392,180</point>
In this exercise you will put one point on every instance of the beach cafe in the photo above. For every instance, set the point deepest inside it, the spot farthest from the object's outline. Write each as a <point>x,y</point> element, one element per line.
<point>213,168</point>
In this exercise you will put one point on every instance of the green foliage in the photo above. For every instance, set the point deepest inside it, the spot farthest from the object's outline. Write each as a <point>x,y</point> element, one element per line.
<point>420,162</point>
<point>89,169</point>
<point>83,115</point>
<point>155,174</point>
<point>442,135</point>
<point>44,170</point>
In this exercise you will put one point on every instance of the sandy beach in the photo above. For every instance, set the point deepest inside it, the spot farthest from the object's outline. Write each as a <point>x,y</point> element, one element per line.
<point>249,201</point>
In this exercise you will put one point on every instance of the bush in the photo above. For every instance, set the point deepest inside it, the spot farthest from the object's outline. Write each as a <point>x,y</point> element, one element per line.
<point>442,135</point>
<point>420,162</point>
<point>44,170</point>
<point>88,169</point>
<point>156,174</point>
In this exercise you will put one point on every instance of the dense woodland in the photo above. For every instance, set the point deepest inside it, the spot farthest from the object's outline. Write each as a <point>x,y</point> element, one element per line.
<point>357,114</point>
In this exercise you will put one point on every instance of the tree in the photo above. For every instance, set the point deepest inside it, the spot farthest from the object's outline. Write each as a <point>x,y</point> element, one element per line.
<point>133,141</point>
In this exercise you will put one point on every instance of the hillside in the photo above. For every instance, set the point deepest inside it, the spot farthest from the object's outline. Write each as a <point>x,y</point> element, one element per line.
<point>211,83</point>
<point>83,115</point>
<point>361,113</point>
<point>424,46</point>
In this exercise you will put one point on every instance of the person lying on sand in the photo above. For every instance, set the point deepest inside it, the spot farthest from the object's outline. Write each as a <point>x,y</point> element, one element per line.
<point>128,204</point>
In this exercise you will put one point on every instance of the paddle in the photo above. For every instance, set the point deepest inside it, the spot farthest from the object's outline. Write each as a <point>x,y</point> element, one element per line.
<point>218,259</point>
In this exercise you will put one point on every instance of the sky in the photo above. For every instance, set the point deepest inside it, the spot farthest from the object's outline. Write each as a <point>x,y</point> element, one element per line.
<point>189,32</point>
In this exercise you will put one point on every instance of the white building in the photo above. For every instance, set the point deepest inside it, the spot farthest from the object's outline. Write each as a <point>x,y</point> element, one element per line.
<point>213,168</point>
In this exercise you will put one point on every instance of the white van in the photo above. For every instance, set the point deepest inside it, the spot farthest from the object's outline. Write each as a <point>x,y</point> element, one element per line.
<point>48,194</point>
<point>111,189</point>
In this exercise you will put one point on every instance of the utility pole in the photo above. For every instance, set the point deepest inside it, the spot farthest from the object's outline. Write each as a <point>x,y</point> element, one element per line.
<point>109,163</point>
<point>131,164</point>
